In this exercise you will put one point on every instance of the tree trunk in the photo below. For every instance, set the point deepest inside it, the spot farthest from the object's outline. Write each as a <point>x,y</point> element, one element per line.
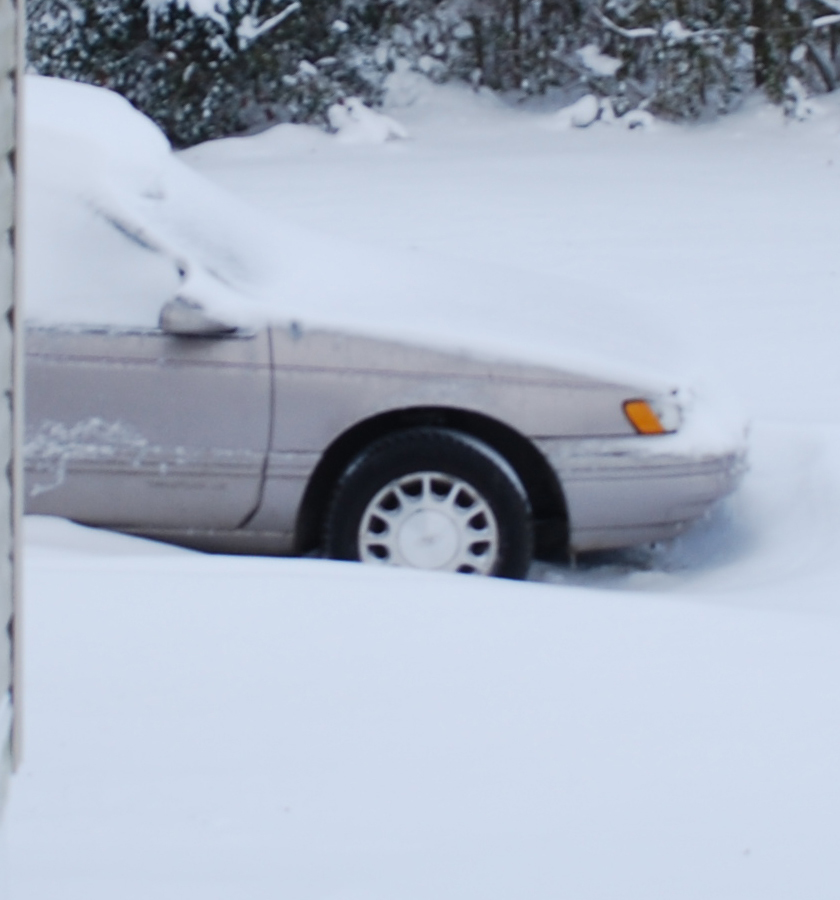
<point>516,23</point>
<point>762,56</point>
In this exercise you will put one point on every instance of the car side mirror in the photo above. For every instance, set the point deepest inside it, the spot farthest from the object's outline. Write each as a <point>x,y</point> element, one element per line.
<point>188,318</point>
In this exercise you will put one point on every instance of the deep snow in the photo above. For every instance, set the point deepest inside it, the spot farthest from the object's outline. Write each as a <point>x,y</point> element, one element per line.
<point>650,725</point>
<point>217,727</point>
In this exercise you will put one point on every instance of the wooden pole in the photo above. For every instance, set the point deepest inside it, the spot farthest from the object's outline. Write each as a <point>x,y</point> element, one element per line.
<point>10,395</point>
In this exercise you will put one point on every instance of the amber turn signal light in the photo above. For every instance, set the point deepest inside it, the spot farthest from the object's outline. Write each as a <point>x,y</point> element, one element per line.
<point>642,417</point>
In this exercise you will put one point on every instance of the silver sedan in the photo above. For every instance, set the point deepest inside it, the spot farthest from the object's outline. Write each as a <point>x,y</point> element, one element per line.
<point>291,440</point>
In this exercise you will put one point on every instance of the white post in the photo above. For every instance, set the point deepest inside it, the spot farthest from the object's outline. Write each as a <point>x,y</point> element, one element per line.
<point>10,398</point>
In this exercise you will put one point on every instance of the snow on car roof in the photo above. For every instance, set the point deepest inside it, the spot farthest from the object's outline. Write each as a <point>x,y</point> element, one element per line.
<point>116,225</point>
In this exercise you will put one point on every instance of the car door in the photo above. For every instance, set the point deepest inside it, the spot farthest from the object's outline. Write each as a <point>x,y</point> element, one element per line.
<point>138,428</point>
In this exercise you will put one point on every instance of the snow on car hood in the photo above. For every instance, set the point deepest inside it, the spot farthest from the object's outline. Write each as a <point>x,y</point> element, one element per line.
<point>115,225</point>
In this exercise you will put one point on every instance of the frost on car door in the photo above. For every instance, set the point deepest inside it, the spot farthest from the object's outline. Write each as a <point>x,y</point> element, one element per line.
<point>142,428</point>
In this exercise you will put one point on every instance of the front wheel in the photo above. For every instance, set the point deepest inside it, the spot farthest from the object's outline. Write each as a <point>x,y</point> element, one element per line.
<point>432,498</point>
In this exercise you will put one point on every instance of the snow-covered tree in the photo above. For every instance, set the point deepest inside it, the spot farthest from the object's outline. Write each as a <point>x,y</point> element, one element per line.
<point>206,73</point>
<point>203,69</point>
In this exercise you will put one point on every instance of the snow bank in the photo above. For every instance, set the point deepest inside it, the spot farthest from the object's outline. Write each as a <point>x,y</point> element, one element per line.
<point>195,730</point>
<point>579,114</point>
<point>357,123</point>
<point>589,109</point>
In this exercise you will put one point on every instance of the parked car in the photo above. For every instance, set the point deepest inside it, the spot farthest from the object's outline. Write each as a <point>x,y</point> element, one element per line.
<point>156,406</point>
<point>288,440</point>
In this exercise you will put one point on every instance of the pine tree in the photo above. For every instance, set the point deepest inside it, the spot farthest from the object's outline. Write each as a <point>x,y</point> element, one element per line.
<point>250,63</point>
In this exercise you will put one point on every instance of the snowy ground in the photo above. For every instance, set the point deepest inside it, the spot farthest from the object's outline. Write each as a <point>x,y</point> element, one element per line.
<point>660,725</point>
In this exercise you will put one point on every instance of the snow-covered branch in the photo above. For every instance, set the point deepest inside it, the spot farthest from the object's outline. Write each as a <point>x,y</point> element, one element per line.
<point>597,62</point>
<point>825,21</point>
<point>249,30</point>
<point>675,32</point>
<point>631,33</point>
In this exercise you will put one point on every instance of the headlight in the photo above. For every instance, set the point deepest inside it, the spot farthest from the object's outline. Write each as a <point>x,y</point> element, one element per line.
<point>660,416</point>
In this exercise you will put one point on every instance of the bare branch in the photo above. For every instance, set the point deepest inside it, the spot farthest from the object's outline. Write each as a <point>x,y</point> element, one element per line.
<point>825,68</point>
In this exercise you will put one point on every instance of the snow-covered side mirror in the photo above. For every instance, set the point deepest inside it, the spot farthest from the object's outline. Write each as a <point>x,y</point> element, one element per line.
<point>189,318</point>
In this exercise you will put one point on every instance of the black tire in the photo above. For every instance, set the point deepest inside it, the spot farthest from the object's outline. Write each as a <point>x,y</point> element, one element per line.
<point>447,487</point>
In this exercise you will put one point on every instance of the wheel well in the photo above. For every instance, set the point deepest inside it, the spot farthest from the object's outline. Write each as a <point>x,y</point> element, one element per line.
<point>545,493</point>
